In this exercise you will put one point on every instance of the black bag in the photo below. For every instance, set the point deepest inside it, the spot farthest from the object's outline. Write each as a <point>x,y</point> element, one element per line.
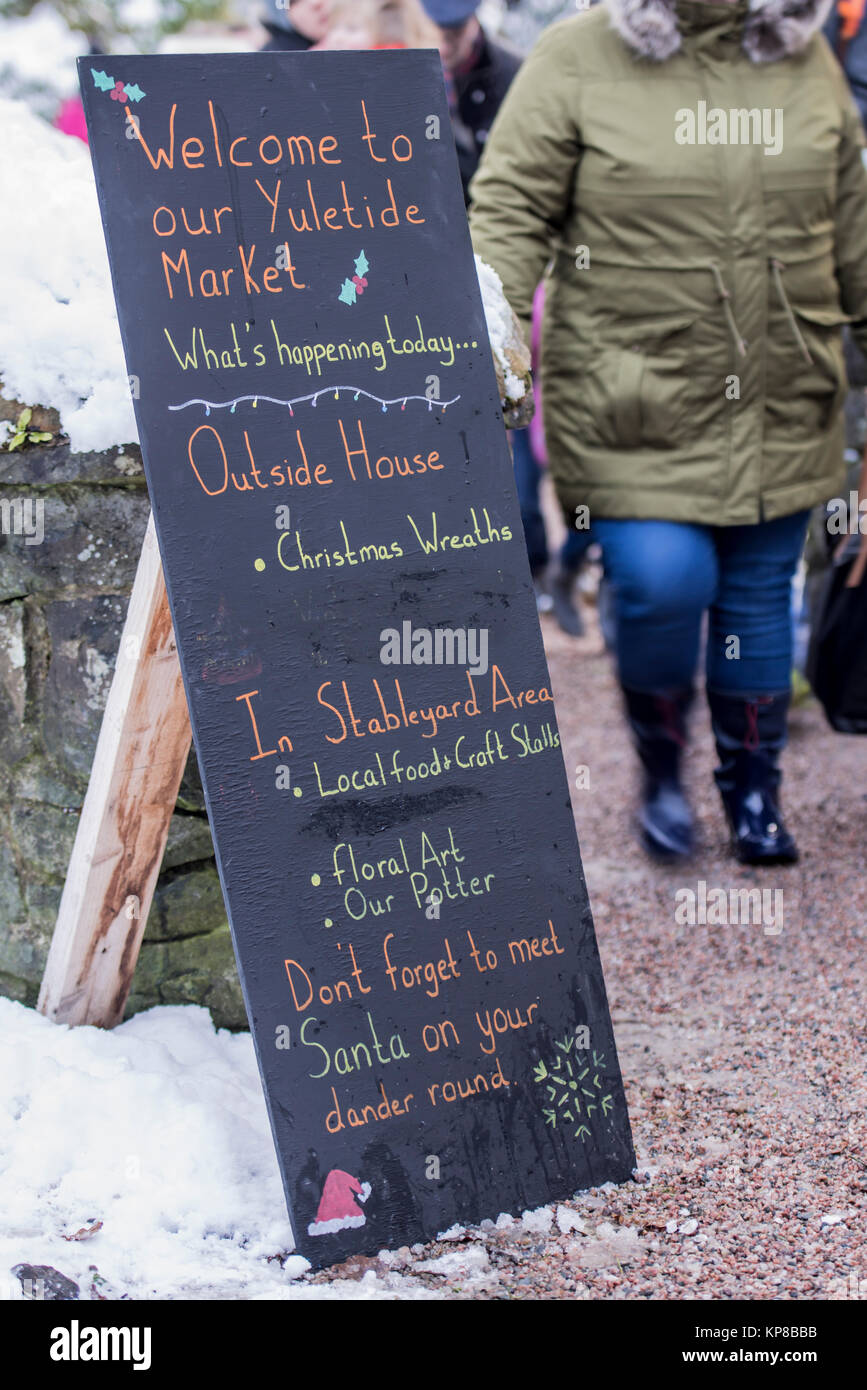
<point>837,658</point>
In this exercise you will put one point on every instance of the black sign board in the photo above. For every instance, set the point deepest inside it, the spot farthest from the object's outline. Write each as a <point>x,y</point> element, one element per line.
<point>370,702</point>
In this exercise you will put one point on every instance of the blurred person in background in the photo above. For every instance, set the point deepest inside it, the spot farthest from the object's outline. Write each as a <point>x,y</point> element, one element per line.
<point>693,366</point>
<point>70,117</point>
<point>295,25</point>
<point>365,24</point>
<point>478,74</point>
<point>522,21</point>
<point>554,583</point>
<point>846,32</point>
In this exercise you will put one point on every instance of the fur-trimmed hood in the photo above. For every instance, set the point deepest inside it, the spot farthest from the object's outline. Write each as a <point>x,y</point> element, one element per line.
<point>772,29</point>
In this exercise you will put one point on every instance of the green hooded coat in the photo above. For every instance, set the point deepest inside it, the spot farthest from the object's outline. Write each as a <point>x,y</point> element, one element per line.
<point>695,171</point>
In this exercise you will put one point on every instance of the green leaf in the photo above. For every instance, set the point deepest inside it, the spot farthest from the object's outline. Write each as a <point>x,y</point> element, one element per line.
<point>24,418</point>
<point>16,441</point>
<point>40,436</point>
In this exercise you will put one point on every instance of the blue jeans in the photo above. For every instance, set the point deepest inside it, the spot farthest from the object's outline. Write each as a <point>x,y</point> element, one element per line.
<point>666,574</point>
<point>528,476</point>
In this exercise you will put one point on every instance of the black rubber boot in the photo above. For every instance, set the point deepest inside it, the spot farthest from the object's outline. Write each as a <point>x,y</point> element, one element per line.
<point>561,585</point>
<point>658,723</point>
<point>544,601</point>
<point>750,735</point>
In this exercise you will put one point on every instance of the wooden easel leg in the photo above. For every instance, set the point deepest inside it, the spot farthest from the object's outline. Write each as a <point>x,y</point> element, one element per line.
<point>137,769</point>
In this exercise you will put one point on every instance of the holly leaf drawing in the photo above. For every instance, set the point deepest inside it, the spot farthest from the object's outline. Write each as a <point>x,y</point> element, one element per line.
<point>362,264</point>
<point>348,294</point>
<point>100,80</point>
<point>134,91</point>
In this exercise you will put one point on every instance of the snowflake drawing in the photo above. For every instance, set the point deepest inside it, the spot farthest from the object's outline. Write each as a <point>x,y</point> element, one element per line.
<point>573,1088</point>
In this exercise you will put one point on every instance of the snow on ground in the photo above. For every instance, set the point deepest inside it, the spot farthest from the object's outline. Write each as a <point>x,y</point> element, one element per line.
<point>59,339</point>
<point>157,1129</point>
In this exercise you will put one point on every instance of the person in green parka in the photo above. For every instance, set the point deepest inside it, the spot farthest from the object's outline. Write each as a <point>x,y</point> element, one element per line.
<point>693,172</point>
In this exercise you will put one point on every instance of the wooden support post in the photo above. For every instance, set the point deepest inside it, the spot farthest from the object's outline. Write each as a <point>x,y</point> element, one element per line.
<point>137,769</point>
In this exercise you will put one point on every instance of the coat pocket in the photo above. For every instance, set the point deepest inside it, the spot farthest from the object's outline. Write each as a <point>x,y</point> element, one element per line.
<point>635,392</point>
<point>817,389</point>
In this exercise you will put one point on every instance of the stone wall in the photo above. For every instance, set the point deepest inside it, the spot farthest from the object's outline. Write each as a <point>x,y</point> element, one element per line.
<point>62,608</point>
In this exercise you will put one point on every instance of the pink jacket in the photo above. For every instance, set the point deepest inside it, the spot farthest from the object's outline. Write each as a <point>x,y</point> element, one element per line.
<point>537,427</point>
<point>70,119</point>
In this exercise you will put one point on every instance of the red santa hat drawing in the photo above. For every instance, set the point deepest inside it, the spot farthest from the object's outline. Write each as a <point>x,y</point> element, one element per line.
<point>337,1207</point>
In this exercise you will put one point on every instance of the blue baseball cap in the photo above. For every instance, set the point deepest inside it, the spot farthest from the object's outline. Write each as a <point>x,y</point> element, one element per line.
<point>450,13</point>
<point>277,13</point>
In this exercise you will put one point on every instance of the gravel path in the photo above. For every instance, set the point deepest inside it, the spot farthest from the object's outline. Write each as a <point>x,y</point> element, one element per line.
<point>743,1050</point>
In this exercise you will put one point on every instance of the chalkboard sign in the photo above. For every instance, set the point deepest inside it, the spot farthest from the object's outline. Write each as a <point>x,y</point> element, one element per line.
<point>371,706</point>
